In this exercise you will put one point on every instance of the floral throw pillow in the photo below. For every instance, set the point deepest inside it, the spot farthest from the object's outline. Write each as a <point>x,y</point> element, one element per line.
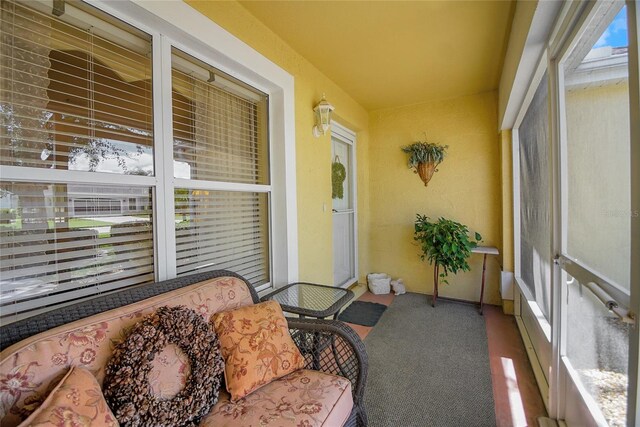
<point>256,346</point>
<point>76,401</point>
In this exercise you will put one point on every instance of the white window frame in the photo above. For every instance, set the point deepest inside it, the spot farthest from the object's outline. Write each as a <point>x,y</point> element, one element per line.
<point>209,42</point>
<point>533,326</point>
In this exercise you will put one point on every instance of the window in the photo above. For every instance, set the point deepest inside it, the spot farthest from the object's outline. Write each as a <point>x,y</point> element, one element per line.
<point>220,135</point>
<point>535,232</point>
<point>220,125</point>
<point>76,96</point>
<point>87,182</point>
<point>57,249</point>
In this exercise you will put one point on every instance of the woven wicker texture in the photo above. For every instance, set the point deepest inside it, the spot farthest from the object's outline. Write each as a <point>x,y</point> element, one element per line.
<point>333,347</point>
<point>426,170</point>
<point>328,345</point>
<point>17,331</point>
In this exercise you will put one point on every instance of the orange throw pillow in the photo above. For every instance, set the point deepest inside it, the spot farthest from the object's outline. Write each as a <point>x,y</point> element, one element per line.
<point>256,346</point>
<point>76,401</point>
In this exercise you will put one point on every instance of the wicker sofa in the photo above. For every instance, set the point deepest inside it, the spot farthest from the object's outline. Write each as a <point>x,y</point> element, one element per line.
<point>37,350</point>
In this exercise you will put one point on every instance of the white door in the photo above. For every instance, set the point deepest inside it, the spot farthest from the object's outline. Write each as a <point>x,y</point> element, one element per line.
<point>343,194</point>
<point>576,162</point>
<point>594,192</point>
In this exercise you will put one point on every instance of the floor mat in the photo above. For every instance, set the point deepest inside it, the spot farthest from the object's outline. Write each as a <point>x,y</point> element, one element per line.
<point>363,313</point>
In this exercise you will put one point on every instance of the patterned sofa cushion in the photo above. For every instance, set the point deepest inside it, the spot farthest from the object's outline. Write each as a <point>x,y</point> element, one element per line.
<point>257,347</point>
<point>75,401</point>
<point>28,368</point>
<point>301,399</point>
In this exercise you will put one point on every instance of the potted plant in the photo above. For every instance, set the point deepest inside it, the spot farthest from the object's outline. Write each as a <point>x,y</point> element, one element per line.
<point>446,245</point>
<point>424,158</point>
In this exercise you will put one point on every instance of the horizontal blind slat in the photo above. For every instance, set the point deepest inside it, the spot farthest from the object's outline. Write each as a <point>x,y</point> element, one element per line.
<point>40,246</point>
<point>225,230</point>
<point>11,260</point>
<point>220,134</point>
<point>40,262</point>
<point>74,265</point>
<point>73,293</point>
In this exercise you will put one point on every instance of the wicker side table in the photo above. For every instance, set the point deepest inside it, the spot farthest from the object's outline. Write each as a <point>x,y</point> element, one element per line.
<point>310,299</point>
<point>313,300</point>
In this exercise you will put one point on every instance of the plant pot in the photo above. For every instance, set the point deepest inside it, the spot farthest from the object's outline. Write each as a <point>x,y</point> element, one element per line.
<point>426,170</point>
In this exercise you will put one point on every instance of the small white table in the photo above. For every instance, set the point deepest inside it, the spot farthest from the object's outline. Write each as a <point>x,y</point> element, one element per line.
<point>484,250</point>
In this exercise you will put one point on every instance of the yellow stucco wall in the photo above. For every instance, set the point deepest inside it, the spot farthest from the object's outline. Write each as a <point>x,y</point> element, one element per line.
<point>467,188</point>
<point>313,156</point>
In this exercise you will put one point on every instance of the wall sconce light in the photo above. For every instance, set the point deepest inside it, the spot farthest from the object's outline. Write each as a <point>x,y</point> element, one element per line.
<point>322,116</point>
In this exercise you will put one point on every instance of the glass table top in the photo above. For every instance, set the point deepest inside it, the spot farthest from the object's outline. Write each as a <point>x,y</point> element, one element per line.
<point>310,297</point>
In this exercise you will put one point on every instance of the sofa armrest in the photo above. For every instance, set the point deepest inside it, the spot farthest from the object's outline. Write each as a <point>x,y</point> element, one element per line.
<point>333,347</point>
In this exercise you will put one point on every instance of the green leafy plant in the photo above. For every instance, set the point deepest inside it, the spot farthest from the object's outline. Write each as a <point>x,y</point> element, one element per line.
<point>445,244</point>
<point>425,152</point>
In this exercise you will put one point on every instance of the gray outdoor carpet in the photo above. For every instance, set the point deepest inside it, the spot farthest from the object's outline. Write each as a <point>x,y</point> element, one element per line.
<point>429,366</point>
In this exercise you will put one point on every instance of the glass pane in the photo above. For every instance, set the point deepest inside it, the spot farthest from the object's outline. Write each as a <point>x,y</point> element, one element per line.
<point>223,230</point>
<point>59,242</point>
<point>598,348</point>
<point>74,98</point>
<point>343,248</point>
<point>220,125</point>
<point>598,149</point>
<point>535,231</point>
<point>310,297</point>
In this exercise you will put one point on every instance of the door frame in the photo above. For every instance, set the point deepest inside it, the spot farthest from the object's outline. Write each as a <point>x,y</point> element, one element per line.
<point>348,137</point>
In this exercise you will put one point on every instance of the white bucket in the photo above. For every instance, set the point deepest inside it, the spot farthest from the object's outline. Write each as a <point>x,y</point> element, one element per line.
<point>379,283</point>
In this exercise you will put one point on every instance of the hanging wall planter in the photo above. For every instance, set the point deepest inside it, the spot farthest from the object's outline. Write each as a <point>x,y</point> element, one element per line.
<point>424,158</point>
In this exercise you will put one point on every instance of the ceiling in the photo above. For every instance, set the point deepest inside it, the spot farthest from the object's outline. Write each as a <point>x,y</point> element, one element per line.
<point>393,53</point>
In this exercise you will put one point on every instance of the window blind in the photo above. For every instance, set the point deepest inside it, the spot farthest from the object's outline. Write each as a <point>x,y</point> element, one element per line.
<point>219,135</point>
<point>52,252</point>
<point>72,98</point>
<point>76,95</point>
<point>223,230</point>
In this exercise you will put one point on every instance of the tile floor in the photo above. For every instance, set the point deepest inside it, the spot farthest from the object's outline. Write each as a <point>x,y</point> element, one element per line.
<point>517,399</point>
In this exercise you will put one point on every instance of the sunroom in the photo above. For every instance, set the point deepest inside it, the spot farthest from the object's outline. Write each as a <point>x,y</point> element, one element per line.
<point>152,142</point>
